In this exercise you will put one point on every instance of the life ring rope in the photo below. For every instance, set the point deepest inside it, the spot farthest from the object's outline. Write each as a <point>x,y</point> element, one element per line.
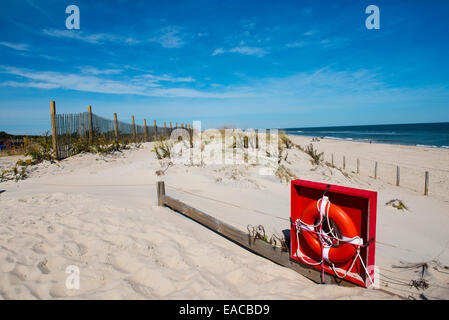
<point>323,205</point>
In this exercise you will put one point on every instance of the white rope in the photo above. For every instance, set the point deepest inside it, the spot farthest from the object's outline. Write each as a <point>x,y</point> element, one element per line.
<point>323,205</point>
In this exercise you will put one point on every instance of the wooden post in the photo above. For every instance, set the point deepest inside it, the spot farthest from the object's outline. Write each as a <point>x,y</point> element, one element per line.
<point>134,129</point>
<point>332,159</point>
<point>54,132</point>
<point>344,162</point>
<point>165,129</point>
<point>426,184</point>
<point>160,193</point>
<point>91,128</point>
<point>115,127</point>
<point>358,166</point>
<point>145,131</point>
<point>257,138</point>
<point>398,175</point>
<point>375,170</point>
<point>155,131</point>
<point>170,125</point>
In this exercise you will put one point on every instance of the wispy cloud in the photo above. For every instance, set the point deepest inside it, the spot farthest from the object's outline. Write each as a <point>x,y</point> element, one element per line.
<point>250,51</point>
<point>15,46</point>
<point>297,44</point>
<point>168,78</point>
<point>95,71</point>
<point>169,37</point>
<point>90,83</point>
<point>325,88</point>
<point>95,38</point>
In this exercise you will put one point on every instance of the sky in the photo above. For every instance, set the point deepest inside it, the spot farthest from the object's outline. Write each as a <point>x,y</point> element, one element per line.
<point>248,64</point>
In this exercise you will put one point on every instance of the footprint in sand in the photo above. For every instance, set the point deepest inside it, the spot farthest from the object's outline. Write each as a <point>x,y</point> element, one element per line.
<point>42,265</point>
<point>41,248</point>
<point>73,249</point>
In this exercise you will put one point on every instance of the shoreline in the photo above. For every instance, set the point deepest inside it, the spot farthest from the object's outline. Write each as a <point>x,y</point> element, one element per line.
<point>367,141</point>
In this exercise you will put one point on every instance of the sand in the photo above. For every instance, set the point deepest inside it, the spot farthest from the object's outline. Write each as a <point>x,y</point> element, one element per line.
<point>99,213</point>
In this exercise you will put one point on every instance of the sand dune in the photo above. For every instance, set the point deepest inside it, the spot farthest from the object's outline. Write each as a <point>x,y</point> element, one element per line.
<point>99,213</point>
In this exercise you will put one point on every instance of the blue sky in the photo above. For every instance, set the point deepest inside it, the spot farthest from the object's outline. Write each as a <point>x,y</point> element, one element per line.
<point>252,64</point>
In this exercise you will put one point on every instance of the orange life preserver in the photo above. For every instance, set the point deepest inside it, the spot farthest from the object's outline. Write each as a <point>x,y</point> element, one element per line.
<point>335,254</point>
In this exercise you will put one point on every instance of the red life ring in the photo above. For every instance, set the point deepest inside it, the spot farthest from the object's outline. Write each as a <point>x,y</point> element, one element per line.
<point>336,254</point>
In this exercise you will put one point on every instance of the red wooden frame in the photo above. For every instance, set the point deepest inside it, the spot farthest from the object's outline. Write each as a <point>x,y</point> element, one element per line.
<point>360,205</point>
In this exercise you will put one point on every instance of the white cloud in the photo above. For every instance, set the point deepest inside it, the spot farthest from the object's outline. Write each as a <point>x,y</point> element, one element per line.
<point>324,88</point>
<point>218,51</point>
<point>15,46</point>
<point>95,71</point>
<point>95,38</point>
<point>297,44</point>
<point>250,51</point>
<point>89,83</point>
<point>168,78</point>
<point>169,37</point>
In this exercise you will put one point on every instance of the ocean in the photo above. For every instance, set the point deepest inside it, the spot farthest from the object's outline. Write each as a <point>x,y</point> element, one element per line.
<point>417,134</point>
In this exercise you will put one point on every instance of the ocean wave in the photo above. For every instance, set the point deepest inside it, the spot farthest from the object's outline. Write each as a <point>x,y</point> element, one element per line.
<point>337,138</point>
<point>428,146</point>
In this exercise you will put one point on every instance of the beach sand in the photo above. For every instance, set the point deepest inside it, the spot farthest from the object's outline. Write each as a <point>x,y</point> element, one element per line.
<point>99,213</point>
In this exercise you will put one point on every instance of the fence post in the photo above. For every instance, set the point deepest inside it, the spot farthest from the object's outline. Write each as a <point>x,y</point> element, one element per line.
<point>54,131</point>
<point>426,184</point>
<point>170,125</point>
<point>257,138</point>
<point>344,162</point>
<point>91,128</point>
<point>155,130</point>
<point>332,159</point>
<point>358,166</point>
<point>398,175</point>
<point>375,170</point>
<point>134,129</point>
<point>160,193</point>
<point>145,131</point>
<point>115,127</point>
<point>165,129</point>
